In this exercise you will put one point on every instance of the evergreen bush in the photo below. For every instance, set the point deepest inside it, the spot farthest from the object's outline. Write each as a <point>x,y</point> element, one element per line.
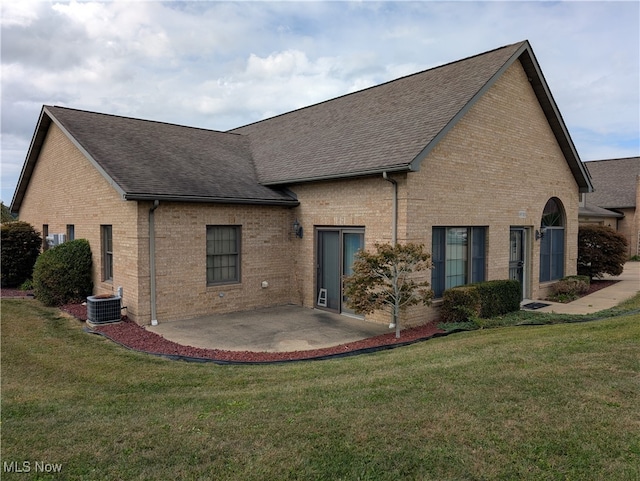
<point>20,249</point>
<point>62,274</point>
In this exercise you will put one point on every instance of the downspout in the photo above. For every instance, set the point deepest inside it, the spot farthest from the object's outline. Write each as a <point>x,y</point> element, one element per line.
<point>394,242</point>
<point>152,261</point>
<point>394,232</point>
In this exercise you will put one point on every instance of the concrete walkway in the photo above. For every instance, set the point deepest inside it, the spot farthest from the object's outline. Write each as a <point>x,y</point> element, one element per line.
<point>627,287</point>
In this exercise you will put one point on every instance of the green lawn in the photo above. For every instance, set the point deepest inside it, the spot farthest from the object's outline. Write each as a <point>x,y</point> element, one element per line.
<point>536,402</point>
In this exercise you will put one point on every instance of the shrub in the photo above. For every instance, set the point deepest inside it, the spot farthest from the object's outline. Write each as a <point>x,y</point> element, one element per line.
<point>601,250</point>
<point>483,299</point>
<point>20,248</point>
<point>499,297</point>
<point>63,274</point>
<point>569,288</point>
<point>460,304</point>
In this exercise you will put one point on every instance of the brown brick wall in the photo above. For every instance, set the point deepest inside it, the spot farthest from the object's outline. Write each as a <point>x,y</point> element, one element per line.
<point>65,188</point>
<point>365,202</point>
<point>266,255</point>
<point>496,167</point>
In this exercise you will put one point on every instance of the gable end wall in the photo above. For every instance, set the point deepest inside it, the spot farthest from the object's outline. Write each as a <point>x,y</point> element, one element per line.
<point>497,167</point>
<point>65,188</point>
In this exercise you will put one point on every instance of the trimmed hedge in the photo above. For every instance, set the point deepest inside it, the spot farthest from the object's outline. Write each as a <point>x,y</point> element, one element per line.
<point>481,300</point>
<point>20,249</point>
<point>62,274</point>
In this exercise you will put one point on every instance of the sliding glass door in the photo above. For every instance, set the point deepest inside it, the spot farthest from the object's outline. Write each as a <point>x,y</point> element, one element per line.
<point>336,252</point>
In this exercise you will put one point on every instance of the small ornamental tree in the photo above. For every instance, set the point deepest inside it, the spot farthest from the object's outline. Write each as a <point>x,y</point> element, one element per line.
<point>384,280</point>
<point>601,250</point>
<point>20,249</point>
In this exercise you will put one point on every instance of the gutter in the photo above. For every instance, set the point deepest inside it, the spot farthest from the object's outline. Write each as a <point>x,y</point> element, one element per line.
<point>394,232</point>
<point>152,261</point>
<point>211,200</point>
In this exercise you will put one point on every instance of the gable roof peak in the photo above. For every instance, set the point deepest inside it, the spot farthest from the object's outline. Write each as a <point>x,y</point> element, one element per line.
<point>521,44</point>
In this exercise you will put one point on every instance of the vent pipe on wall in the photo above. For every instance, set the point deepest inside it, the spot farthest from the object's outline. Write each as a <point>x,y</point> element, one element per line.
<point>152,261</point>
<point>394,231</point>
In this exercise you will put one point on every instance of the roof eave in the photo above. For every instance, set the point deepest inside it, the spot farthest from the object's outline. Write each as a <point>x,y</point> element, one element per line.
<point>210,200</point>
<point>32,155</point>
<point>341,176</point>
<point>551,111</point>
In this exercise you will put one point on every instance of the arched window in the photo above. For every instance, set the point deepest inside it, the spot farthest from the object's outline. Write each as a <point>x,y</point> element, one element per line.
<point>552,241</point>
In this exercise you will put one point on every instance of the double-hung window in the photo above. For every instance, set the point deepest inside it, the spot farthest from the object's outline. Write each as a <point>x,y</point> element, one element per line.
<point>223,254</point>
<point>107,253</point>
<point>458,256</point>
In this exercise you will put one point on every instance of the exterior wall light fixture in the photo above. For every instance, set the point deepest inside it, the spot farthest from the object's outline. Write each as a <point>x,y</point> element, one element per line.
<point>297,229</point>
<point>540,233</point>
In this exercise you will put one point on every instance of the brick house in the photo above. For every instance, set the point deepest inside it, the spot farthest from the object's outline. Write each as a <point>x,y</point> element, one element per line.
<point>471,159</point>
<point>615,198</point>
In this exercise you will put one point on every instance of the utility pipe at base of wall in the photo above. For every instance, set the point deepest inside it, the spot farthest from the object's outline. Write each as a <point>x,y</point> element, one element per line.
<point>152,261</point>
<point>394,231</point>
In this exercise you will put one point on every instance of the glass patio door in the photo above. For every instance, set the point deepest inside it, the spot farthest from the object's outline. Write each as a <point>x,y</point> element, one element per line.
<point>336,251</point>
<point>352,242</point>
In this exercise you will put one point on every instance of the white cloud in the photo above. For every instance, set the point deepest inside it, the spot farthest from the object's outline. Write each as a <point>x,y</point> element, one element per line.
<point>18,13</point>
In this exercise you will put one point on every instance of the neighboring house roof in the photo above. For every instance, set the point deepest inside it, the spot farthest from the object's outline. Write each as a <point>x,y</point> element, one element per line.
<point>595,211</point>
<point>614,181</point>
<point>393,126</point>
<point>146,160</point>
<point>388,128</point>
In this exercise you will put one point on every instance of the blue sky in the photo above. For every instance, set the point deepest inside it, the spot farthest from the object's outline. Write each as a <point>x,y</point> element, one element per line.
<point>220,65</point>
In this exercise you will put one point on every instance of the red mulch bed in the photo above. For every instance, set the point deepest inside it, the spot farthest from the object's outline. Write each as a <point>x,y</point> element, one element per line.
<point>133,336</point>
<point>596,285</point>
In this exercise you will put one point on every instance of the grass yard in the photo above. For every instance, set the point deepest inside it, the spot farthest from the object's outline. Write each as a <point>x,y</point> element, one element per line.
<point>553,402</point>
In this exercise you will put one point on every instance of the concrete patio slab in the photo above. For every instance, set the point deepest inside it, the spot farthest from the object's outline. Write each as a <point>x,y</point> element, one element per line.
<point>294,328</point>
<point>274,329</point>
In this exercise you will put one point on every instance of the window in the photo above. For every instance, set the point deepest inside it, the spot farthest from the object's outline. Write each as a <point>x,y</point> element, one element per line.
<point>223,254</point>
<point>552,241</point>
<point>458,255</point>
<point>107,253</point>
<point>71,232</point>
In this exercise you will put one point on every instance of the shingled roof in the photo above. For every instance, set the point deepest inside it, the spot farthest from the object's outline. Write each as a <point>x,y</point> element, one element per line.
<point>388,128</point>
<point>614,181</point>
<point>146,160</point>
<point>393,126</point>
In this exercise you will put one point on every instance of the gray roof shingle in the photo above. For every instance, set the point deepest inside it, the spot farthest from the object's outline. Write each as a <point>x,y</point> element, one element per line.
<point>389,127</point>
<point>381,128</point>
<point>614,181</point>
<point>155,160</point>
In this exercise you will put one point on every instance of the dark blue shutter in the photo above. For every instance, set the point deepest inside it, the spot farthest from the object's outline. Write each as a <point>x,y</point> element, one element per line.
<point>557,253</point>
<point>438,253</point>
<point>478,254</point>
<point>545,257</point>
